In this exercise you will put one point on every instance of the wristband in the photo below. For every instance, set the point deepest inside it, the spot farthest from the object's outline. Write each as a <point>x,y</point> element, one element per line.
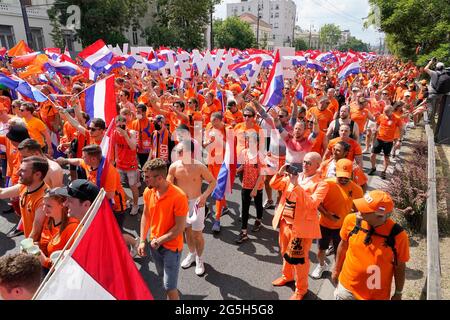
<point>142,241</point>
<point>398,293</point>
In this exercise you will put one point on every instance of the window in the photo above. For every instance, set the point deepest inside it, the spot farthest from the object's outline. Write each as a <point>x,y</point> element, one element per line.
<point>242,9</point>
<point>271,15</point>
<point>249,9</point>
<point>277,7</point>
<point>135,36</point>
<point>276,25</point>
<point>38,42</point>
<point>277,15</point>
<point>7,37</point>
<point>273,36</point>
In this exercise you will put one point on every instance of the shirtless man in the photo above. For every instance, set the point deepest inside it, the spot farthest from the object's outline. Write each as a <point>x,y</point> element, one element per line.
<point>188,174</point>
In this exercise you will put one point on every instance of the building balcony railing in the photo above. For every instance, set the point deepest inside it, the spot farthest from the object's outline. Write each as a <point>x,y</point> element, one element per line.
<point>14,10</point>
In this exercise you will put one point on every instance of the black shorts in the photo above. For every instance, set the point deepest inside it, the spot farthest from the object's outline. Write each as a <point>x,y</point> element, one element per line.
<point>329,235</point>
<point>382,145</point>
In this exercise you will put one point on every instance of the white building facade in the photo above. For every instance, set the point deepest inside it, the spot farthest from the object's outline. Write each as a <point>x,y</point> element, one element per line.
<point>280,14</point>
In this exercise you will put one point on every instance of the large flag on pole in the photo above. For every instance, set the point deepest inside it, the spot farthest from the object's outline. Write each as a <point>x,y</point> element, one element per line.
<point>227,172</point>
<point>101,100</point>
<point>98,266</point>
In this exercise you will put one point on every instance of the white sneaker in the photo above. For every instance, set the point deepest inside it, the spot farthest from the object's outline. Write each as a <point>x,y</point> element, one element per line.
<point>319,270</point>
<point>199,266</point>
<point>134,210</point>
<point>188,261</point>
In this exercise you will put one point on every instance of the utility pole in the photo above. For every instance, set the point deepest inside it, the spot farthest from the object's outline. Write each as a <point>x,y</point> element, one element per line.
<point>293,31</point>
<point>26,23</point>
<point>257,27</point>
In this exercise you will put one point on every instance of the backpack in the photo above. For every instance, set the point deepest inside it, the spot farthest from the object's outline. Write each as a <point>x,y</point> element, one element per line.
<point>442,84</point>
<point>389,239</point>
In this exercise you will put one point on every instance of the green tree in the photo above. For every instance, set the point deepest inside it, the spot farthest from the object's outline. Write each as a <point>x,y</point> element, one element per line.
<point>264,41</point>
<point>300,44</point>
<point>354,44</point>
<point>234,33</point>
<point>102,19</point>
<point>330,35</point>
<point>415,29</point>
<point>56,34</point>
<point>180,23</point>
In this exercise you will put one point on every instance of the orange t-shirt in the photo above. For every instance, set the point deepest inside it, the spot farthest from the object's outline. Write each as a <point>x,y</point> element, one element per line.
<point>126,157</point>
<point>359,116</point>
<point>161,213</point>
<point>333,106</point>
<point>111,184</point>
<point>323,117</point>
<point>339,201</point>
<point>144,128</point>
<point>388,127</point>
<point>12,156</point>
<point>360,259</point>
<point>29,203</point>
<point>233,118</point>
<point>355,148</point>
<point>239,132</point>
<point>36,129</point>
<point>208,110</point>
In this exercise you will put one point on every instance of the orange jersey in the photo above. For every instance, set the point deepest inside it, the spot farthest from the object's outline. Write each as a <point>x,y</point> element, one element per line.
<point>126,158</point>
<point>359,116</point>
<point>208,110</point>
<point>388,127</point>
<point>360,259</point>
<point>355,148</point>
<point>323,117</point>
<point>339,201</point>
<point>12,156</point>
<point>144,128</point>
<point>29,203</point>
<point>161,213</point>
<point>333,106</point>
<point>233,118</point>
<point>36,129</point>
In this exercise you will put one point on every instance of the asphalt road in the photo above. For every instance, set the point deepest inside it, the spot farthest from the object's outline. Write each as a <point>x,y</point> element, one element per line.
<point>233,271</point>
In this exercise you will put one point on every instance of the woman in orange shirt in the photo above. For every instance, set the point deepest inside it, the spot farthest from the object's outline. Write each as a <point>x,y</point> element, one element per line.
<point>58,227</point>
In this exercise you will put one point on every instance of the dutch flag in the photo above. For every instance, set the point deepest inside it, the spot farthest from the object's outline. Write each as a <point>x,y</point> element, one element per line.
<point>101,100</point>
<point>275,84</point>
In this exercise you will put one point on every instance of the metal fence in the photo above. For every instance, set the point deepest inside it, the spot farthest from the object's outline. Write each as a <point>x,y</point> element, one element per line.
<point>430,226</point>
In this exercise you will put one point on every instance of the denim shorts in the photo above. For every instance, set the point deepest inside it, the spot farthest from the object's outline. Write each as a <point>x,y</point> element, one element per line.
<point>167,264</point>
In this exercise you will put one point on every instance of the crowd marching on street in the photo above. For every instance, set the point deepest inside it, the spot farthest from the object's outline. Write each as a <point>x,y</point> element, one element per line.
<point>294,145</point>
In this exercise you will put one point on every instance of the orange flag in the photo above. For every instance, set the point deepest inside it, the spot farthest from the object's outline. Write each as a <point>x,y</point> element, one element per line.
<point>36,67</point>
<point>23,60</point>
<point>19,49</point>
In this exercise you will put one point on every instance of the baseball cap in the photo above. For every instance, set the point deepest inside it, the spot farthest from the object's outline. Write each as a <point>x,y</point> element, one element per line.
<point>439,65</point>
<point>344,168</point>
<point>81,189</point>
<point>236,87</point>
<point>17,133</point>
<point>374,201</point>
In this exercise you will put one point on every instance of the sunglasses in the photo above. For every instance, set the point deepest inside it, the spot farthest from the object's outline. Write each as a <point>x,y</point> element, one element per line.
<point>92,129</point>
<point>248,116</point>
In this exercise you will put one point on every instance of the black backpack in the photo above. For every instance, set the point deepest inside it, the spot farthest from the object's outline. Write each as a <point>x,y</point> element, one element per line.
<point>442,85</point>
<point>389,239</point>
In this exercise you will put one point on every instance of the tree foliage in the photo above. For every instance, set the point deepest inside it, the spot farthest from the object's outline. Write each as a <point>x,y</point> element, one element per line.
<point>300,44</point>
<point>180,23</point>
<point>355,45</point>
<point>415,29</point>
<point>330,35</point>
<point>233,33</point>
<point>102,19</point>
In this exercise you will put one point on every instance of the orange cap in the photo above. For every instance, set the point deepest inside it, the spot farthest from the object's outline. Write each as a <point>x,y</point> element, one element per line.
<point>375,201</point>
<point>344,168</point>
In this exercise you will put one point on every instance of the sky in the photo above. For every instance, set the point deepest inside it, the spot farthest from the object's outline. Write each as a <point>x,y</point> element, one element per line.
<point>347,14</point>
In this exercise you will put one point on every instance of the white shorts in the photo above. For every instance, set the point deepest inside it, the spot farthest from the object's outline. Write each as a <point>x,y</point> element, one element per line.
<point>196,217</point>
<point>371,125</point>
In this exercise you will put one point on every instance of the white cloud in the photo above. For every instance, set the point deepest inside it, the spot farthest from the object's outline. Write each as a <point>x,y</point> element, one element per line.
<point>347,14</point>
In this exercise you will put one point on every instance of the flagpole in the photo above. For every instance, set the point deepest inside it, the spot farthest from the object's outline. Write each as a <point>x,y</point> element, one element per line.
<point>83,225</point>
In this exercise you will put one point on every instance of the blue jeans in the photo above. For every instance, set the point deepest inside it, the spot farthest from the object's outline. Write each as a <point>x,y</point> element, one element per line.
<point>167,264</point>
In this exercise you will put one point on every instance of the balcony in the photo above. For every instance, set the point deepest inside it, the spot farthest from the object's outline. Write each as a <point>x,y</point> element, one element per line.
<point>14,10</point>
